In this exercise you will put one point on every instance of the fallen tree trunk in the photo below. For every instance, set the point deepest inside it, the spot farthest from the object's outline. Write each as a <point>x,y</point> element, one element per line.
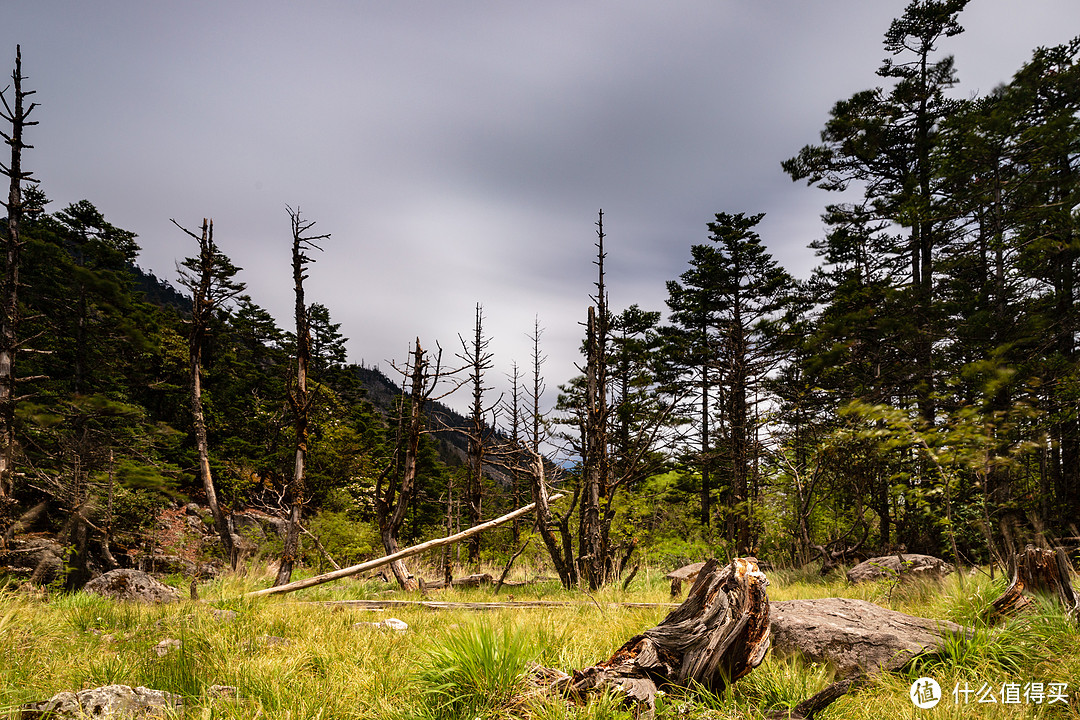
<point>399,555</point>
<point>719,634</point>
<point>505,605</point>
<point>1041,571</point>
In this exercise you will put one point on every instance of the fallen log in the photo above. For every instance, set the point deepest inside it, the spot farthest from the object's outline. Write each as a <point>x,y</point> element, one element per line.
<point>399,555</point>
<point>719,634</point>
<point>505,605</point>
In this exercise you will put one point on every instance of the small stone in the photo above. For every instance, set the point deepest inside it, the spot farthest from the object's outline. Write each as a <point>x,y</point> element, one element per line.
<point>166,646</point>
<point>222,691</point>
<point>387,624</point>
<point>224,615</point>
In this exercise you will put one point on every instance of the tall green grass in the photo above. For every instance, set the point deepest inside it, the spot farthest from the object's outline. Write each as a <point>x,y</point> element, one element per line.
<point>459,664</point>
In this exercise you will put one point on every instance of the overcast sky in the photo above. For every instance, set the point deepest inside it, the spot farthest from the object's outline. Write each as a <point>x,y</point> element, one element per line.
<point>458,152</point>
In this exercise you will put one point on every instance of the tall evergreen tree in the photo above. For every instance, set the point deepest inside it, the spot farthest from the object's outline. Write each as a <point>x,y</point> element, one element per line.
<point>886,140</point>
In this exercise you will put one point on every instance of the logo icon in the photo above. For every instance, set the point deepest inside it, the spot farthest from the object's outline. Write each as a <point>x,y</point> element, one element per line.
<point>925,693</point>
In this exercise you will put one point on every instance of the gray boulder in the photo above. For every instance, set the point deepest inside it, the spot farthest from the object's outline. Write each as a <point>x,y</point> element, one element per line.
<point>853,635</point>
<point>111,701</point>
<point>906,566</point>
<point>131,585</point>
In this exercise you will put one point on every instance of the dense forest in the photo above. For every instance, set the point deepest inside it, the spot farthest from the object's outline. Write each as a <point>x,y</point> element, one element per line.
<point>920,390</point>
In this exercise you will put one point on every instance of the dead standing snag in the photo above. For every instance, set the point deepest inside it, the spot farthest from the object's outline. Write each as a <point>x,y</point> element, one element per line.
<point>718,635</point>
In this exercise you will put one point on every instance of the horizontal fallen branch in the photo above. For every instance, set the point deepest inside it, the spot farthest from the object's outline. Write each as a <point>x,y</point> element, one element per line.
<point>400,555</point>
<point>440,605</point>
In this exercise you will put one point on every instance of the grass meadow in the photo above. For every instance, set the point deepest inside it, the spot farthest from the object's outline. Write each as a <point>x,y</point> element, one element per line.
<point>289,657</point>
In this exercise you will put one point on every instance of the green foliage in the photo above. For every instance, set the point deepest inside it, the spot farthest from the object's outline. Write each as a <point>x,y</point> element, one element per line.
<point>346,539</point>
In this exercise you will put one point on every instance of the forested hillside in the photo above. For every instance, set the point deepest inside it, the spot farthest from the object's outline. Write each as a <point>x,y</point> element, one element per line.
<point>919,389</point>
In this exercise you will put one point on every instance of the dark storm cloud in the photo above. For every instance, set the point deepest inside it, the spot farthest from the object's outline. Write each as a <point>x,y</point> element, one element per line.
<point>458,152</point>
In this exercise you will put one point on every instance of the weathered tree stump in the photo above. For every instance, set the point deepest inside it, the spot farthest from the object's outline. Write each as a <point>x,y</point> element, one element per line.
<point>719,634</point>
<point>1040,571</point>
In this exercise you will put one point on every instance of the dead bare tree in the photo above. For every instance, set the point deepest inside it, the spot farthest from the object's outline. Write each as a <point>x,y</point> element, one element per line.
<point>591,543</point>
<point>15,113</point>
<point>209,277</point>
<point>478,360</point>
<point>302,243</point>
<point>561,550</point>
<point>513,409</point>
<point>610,460</point>
<point>394,486</point>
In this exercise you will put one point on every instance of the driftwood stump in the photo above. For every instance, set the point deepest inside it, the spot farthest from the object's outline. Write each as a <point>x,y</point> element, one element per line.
<point>1037,571</point>
<point>719,634</point>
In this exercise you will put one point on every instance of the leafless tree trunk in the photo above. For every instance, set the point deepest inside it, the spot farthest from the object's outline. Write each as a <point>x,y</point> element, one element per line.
<point>209,278</point>
<point>591,536</point>
<point>298,395</point>
<point>9,306</point>
<point>391,500</point>
<point>560,558</point>
<point>476,357</point>
<point>514,409</point>
<point>394,488</point>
